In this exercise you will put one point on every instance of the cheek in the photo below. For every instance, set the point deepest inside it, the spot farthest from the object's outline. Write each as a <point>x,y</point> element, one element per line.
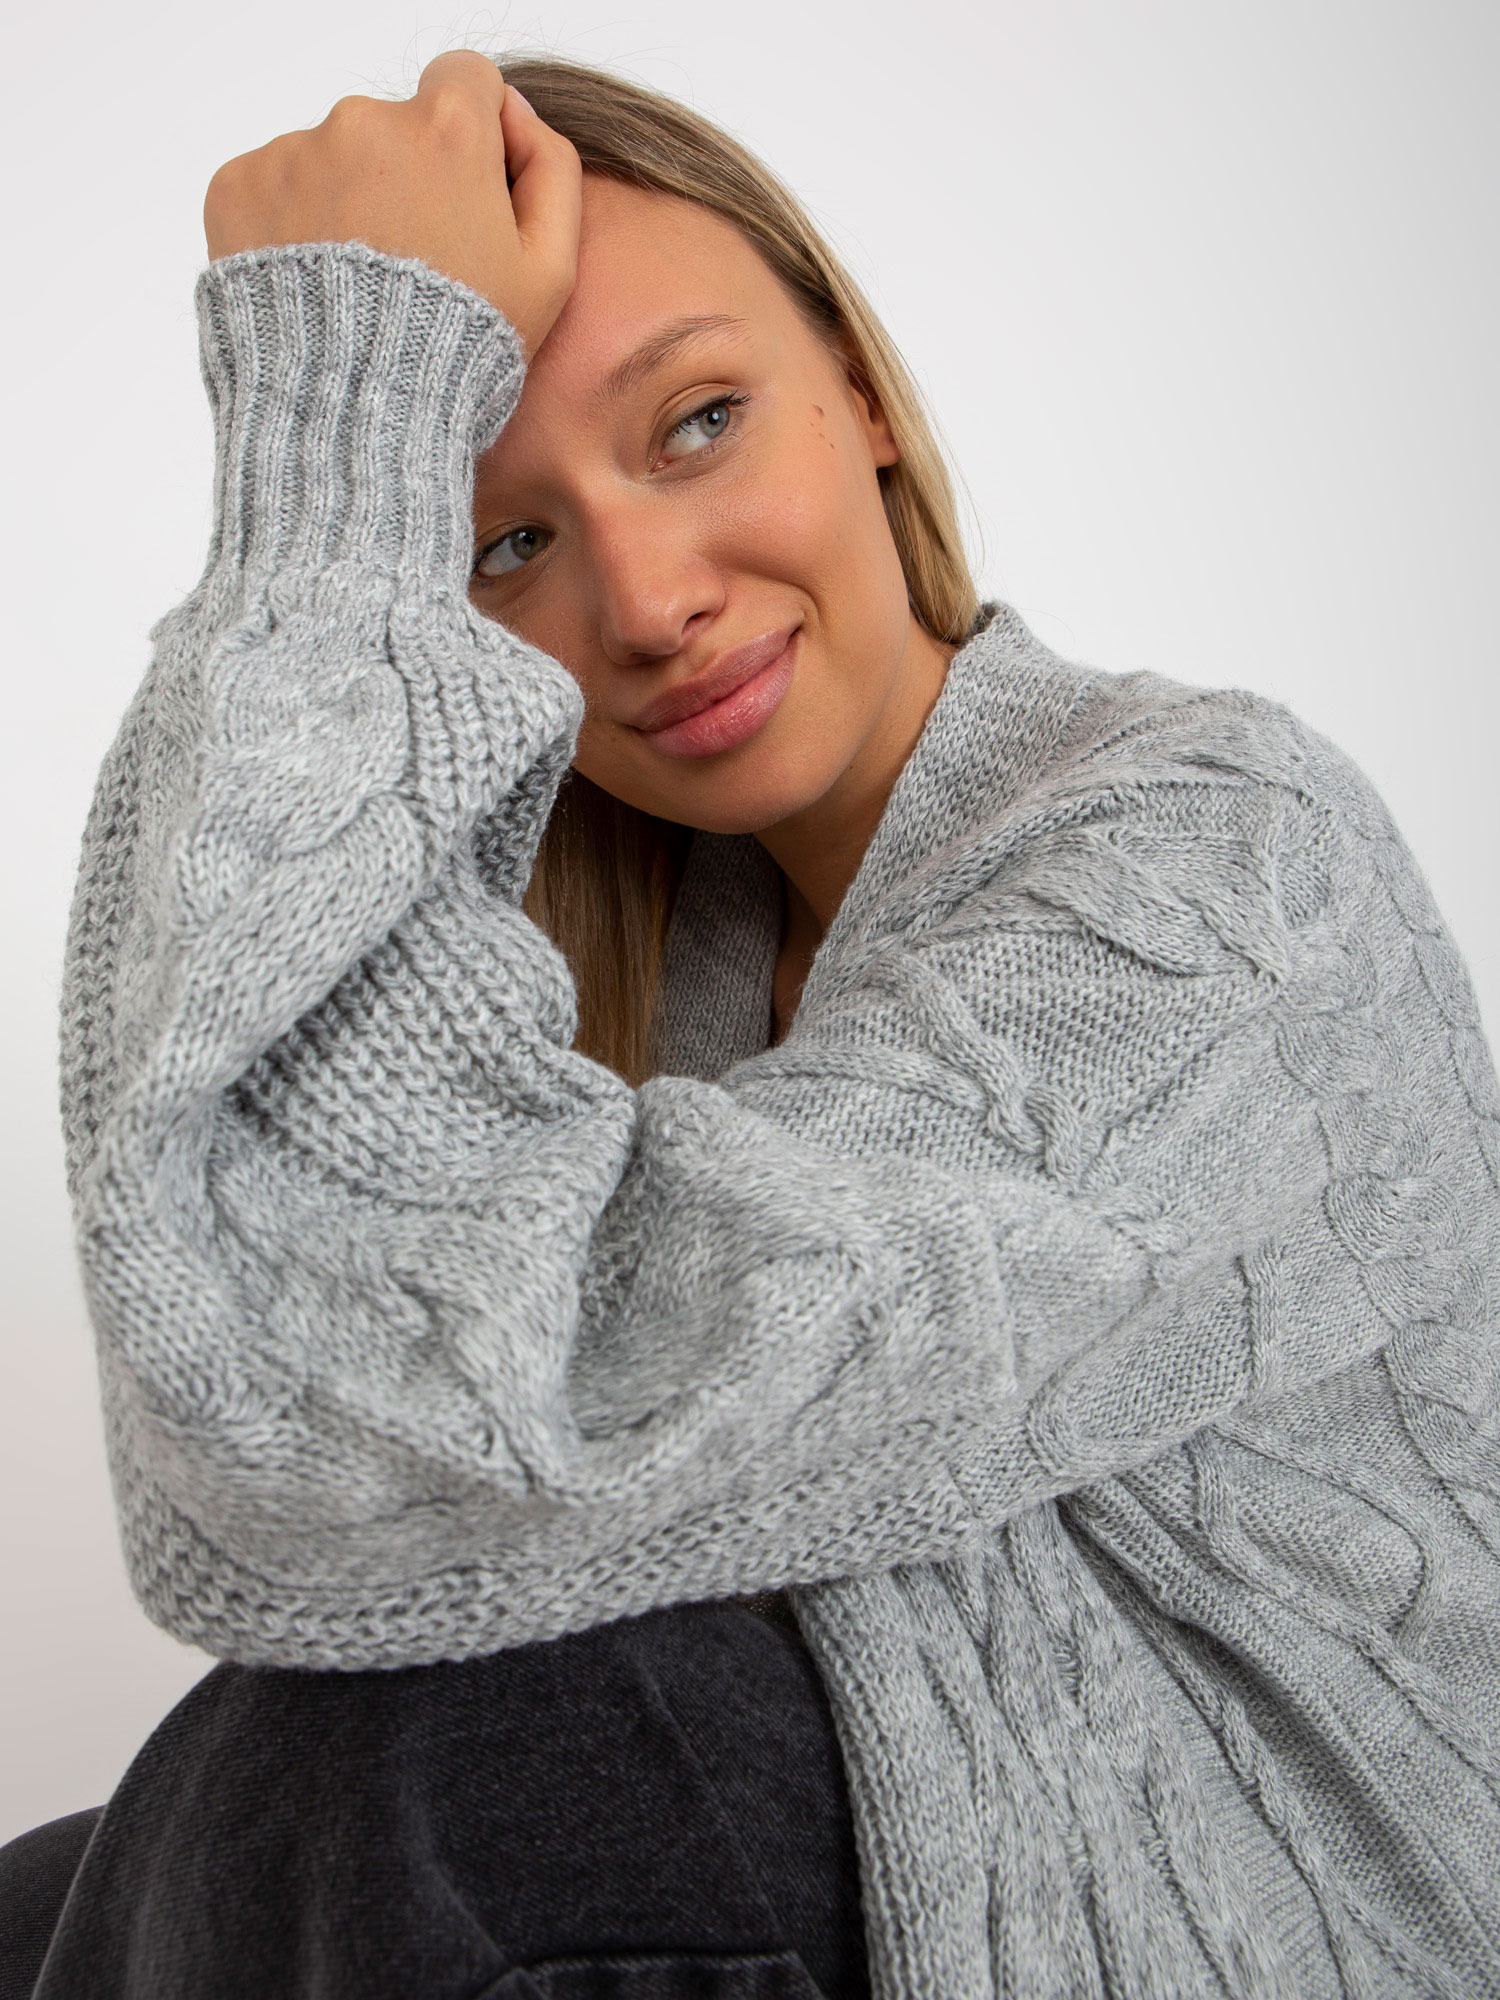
<point>555,620</point>
<point>801,510</point>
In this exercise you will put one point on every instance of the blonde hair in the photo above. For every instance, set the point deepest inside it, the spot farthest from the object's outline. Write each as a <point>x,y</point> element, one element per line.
<point>607,874</point>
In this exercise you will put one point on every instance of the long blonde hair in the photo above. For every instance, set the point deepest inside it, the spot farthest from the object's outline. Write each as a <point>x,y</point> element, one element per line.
<point>607,874</point>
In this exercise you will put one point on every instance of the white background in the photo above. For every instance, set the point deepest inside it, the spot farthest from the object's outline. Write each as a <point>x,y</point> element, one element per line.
<point>1205,299</point>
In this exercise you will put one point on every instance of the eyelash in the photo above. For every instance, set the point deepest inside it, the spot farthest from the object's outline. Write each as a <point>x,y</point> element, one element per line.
<point>734,400</point>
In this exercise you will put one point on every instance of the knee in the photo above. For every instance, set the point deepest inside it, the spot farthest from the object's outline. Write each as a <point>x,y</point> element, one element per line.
<point>36,1873</point>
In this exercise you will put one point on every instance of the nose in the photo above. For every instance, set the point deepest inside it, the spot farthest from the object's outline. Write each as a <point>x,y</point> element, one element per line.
<point>656,587</point>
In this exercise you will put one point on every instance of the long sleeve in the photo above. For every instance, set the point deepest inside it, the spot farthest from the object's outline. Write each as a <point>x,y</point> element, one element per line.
<point>421,1334</point>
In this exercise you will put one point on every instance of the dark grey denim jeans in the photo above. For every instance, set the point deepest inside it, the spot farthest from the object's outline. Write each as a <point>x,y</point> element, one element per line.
<point>651,1810</point>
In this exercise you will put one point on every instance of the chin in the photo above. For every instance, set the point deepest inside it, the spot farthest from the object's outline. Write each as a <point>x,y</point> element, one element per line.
<point>758,785</point>
<point>756,794</point>
<point>729,815</point>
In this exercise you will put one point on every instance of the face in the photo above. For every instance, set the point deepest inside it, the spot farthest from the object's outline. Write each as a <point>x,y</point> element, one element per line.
<point>685,505</point>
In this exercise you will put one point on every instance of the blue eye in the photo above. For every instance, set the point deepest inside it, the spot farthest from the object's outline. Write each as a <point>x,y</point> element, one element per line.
<point>511,552</point>
<point>710,423</point>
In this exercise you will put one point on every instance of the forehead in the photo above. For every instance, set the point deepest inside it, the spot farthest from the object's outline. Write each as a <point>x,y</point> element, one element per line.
<point>645,259</point>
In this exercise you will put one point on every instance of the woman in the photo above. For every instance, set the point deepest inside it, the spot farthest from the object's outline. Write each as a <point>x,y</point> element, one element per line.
<point>995,1159</point>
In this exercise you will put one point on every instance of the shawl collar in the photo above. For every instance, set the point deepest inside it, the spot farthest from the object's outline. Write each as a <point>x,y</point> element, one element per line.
<point>1005,704</point>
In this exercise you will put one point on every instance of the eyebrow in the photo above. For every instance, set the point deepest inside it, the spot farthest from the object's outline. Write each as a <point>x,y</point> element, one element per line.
<point>661,345</point>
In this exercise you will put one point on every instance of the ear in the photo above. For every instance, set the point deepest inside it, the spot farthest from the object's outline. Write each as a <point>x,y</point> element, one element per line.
<point>872,418</point>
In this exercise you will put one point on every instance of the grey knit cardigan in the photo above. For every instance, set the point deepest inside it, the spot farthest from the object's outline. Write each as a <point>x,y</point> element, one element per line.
<point>1087,1312</point>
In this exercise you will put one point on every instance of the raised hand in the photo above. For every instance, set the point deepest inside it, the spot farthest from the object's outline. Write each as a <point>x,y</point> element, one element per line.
<point>464,175</point>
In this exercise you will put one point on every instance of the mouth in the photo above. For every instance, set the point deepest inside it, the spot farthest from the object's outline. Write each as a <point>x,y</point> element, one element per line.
<point>726,703</point>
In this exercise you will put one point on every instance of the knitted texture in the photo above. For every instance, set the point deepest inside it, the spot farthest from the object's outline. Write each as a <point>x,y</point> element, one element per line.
<point>1087,1311</point>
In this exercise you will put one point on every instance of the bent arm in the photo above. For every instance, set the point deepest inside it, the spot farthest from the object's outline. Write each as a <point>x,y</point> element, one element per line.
<point>421,1334</point>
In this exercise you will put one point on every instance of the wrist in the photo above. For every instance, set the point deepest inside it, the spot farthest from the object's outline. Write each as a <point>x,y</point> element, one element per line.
<point>352,392</point>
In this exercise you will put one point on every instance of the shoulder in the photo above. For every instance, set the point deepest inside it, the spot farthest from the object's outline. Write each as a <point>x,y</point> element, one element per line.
<point>1131,733</point>
<point>1227,799</point>
<point>1183,828</point>
<point>1025,738</point>
<point>1189,825</point>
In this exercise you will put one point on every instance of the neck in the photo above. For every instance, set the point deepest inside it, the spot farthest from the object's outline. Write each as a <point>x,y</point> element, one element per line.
<point>819,849</point>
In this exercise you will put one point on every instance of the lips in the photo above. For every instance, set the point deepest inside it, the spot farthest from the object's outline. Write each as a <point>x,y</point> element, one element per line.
<point>734,717</point>
<point>715,683</point>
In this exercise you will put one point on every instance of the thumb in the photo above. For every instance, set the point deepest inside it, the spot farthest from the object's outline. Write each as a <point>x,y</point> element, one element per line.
<point>546,177</point>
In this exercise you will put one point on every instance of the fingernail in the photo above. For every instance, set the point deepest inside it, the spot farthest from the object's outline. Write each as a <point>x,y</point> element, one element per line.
<point>516,93</point>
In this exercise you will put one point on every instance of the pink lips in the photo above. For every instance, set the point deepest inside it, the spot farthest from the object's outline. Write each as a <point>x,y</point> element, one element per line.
<point>727,703</point>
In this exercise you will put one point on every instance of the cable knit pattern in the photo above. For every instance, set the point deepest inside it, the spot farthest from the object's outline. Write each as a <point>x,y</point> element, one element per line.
<point>1086,1313</point>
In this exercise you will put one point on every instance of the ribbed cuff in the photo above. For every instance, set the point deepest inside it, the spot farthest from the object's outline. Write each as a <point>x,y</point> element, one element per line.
<point>352,392</point>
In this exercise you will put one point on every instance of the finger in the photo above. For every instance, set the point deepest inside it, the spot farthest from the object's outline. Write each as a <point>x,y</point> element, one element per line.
<point>546,176</point>
<point>468,70</point>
